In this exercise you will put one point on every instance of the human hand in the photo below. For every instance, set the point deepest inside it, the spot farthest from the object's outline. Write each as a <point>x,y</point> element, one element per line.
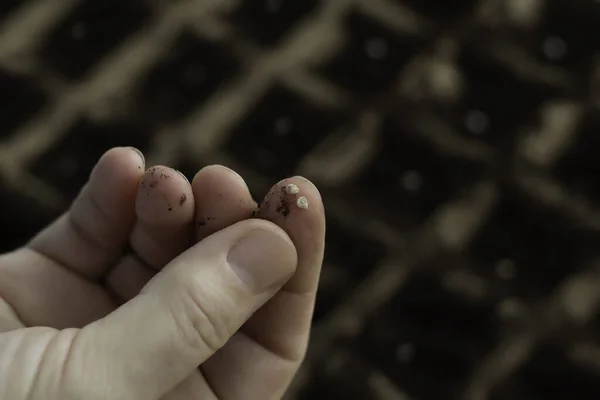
<point>228,318</point>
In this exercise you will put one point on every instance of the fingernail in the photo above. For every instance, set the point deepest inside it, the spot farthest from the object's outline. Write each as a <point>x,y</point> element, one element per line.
<point>263,259</point>
<point>235,173</point>
<point>139,153</point>
<point>182,174</point>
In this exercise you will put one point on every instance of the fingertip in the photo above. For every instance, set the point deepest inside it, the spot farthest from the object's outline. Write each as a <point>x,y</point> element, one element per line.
<point>118,169</point>
<point>165,214</point>
<point>216,171</point>
<point>300,213</point>
<point>128,158</point>
<point>183,176</point>
<point>140,155</point>
<point>164,197</point>
<point>308,186</point>
<point>293,200</point>
<point>222,199</point>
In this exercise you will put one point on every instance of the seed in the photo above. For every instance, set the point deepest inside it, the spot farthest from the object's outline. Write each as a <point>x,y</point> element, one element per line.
<point>302,202</point>
<point>292,189</point>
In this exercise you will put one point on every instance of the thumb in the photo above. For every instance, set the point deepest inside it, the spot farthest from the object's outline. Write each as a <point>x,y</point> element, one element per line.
<point>184,315</point>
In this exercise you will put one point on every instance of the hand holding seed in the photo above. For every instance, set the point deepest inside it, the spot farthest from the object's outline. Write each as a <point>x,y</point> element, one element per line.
<point>163,320</point>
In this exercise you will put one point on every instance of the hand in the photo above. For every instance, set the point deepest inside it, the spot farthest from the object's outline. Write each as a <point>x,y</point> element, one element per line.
<point>227,318</point>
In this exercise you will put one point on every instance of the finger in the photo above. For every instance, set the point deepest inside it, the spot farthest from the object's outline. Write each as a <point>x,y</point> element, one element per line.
<point>272,344</point>
<point>306,228</point>
<point>184,315</point>
<point>165,215</point>
<point>21,352</point>
<point>128,278</point>
<point>93,233</point>
<point>43,293</point>
<point>194,387</point>
<point>8,318</point>
<point>222,199</point>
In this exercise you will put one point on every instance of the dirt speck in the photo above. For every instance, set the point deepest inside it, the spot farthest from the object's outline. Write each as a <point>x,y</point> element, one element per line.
<point>170,208</point>
<point>204,221</point>
<point>182,199</point>
<point>283,207</point>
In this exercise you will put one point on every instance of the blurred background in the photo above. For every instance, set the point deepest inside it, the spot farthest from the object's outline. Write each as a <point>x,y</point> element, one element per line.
<point>455,144</point>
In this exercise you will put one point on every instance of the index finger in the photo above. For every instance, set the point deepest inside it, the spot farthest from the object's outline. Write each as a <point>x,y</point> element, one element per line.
<point>283,324</point>
<point>274,340</point>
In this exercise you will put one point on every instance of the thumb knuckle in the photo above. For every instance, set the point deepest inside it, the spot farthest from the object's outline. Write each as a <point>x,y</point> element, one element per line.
<point>201,318</point>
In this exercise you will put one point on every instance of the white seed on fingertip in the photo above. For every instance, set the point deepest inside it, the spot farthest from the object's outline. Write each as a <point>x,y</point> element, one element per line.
<point>292,189</point>
<point>302,202</point>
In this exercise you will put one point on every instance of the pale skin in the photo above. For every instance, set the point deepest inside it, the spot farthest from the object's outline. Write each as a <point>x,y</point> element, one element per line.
<point>185,314</point>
